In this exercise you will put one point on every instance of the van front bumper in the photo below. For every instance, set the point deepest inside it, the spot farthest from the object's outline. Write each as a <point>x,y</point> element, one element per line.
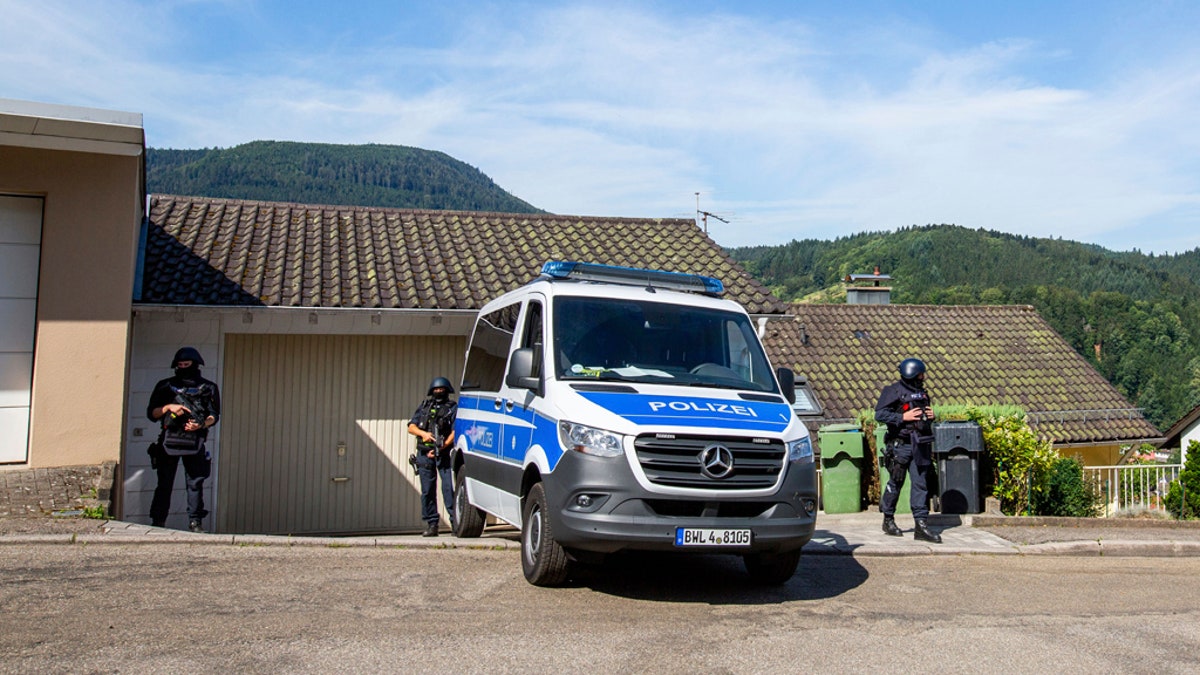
<point>622,515</point>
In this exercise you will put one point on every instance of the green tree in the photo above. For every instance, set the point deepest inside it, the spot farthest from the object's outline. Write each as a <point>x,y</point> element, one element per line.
<point>1183,497</point>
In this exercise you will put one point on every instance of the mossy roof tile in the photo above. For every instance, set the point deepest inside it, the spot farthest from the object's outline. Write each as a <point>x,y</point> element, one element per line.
<point>207,251</point>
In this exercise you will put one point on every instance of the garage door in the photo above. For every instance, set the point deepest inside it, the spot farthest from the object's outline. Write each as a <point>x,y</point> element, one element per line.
<point>313,432</point>
<point>20,249</point>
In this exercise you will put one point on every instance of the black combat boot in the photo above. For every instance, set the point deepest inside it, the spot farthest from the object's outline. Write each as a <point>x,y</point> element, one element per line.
<point>890,527</point>
<point>431,530</point>
<point>921,532</point>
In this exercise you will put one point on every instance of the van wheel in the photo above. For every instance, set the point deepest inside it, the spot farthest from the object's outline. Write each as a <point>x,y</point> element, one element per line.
<point>468,520</point>
<point>772,568</point>
<point>542,560</point>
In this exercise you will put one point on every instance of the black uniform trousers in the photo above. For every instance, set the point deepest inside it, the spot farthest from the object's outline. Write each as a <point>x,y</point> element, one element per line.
<point>196,468</point>
<point>430,470</point>
<point>917,462</point>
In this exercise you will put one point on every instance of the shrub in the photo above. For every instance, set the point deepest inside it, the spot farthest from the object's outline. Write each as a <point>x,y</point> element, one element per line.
<point>1189,485</point>
<point>1019,461</point>
<point>1064,492</point>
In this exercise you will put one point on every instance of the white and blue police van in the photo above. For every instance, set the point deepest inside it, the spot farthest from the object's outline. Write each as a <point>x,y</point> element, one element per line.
<point>608,408</point>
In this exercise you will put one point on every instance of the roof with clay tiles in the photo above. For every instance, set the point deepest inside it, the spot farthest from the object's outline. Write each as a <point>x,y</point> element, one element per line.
<point>976,355</point>
<point>208,251</point>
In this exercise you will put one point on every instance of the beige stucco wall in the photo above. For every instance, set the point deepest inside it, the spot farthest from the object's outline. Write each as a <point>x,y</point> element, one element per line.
<point>1094,455</point>
<point>93,211</point>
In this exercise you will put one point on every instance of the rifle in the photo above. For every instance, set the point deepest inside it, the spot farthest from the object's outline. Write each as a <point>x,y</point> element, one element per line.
<point>175,439</point>
<point>431,420</point>
<point>198,410</point>
<point>917,432</point>
<point>910,431</point>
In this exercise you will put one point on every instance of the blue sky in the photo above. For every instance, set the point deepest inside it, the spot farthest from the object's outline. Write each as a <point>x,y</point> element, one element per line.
<point>792,120</point>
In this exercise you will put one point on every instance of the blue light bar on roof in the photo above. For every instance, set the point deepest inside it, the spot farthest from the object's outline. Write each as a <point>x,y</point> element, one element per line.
<point>674,281</point>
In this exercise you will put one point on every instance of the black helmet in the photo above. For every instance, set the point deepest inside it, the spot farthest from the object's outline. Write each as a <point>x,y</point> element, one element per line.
<point>187,354</point>
<point>910,368</point>
<point>440,383</point>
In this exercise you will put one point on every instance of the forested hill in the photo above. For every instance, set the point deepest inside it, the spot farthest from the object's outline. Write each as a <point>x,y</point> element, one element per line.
<point>319,173</point>
<point>1135,317</point>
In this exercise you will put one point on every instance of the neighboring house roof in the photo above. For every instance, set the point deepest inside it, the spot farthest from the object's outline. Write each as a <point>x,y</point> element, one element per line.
<point>976,355</point>
<point>205,251</point>
<point>1174,435</point>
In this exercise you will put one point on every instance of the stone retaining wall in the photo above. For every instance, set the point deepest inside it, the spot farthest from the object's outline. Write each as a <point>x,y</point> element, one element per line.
<point>39,492</point>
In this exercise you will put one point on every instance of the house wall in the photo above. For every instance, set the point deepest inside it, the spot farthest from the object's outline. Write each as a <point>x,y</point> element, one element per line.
<point>92,210</point>
<point>1191,434</point>
<point>1093,455</point>
<point>159,331</point>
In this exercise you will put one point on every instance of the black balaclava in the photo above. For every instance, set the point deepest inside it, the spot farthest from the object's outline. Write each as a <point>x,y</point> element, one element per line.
<point>192,372</point>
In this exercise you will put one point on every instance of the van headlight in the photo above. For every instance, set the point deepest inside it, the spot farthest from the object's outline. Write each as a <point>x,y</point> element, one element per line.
<point>591,441</point>
<point>800,451</point>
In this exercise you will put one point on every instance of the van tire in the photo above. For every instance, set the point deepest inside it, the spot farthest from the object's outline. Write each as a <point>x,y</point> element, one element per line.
<point>468,520</point>
<point>772,568</point>
<point>543,561</point>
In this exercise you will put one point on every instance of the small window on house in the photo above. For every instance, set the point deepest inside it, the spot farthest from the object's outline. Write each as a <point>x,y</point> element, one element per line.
<point>806,404</point>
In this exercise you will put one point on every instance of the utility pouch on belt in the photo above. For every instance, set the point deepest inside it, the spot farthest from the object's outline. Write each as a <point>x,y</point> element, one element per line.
<point>888,460</point>
<point>155,451</point>
<point>181,442</point>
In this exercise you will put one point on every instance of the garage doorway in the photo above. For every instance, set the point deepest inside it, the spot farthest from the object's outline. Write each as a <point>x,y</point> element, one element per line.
<point>20,253</point>
<point>313,435</point>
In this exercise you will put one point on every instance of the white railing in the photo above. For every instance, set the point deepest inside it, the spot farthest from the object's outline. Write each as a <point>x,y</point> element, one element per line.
<point>1132,487</point>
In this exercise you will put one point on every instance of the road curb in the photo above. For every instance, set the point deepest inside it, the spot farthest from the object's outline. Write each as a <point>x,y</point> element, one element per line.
<point>1112,549</point>
<point>259,540</point>
<point>844,536</point>
<point>1115,548</point>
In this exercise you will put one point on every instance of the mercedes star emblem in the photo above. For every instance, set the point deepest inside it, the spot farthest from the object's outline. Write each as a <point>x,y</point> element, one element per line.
<point>716,461</point>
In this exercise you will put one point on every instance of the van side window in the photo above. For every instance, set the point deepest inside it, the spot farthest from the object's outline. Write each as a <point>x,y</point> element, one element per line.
<point>532,336</point>
<point>489,349</point>
<point>739,351</point>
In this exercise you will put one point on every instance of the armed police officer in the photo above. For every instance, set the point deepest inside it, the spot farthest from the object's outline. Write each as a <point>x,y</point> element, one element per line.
<point>186,405</point>
<point>433,425</point>
<point>906,409</point>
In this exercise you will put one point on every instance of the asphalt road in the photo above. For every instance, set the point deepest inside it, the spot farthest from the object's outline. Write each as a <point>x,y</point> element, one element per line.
<point>183,608</point>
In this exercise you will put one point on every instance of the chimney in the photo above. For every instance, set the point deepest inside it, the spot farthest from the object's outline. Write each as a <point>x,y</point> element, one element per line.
<point>866,289</point>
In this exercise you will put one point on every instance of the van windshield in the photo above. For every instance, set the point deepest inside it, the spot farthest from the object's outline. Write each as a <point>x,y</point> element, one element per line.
<point>635,341</point>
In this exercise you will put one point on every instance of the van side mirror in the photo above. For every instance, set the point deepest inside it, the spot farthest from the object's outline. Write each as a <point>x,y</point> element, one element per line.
<point>521,368</point>
<point>787,382</point>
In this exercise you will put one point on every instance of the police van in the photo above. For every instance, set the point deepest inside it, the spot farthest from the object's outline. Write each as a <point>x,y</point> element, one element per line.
<point>608,408</point>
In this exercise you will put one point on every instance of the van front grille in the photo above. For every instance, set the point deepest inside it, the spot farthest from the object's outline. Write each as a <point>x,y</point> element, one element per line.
<point>676,461</point>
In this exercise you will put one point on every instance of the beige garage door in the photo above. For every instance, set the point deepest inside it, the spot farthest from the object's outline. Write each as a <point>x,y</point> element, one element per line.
<point>313,431</point>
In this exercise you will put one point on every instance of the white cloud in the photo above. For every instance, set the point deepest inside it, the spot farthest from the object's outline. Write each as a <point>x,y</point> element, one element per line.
<point>801,130</point>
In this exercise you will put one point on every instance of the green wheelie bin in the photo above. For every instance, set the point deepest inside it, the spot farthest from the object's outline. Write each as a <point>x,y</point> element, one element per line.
<point>841,467</point>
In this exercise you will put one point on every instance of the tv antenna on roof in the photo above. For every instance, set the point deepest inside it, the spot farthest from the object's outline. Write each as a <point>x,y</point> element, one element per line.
<point>704,215</point>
